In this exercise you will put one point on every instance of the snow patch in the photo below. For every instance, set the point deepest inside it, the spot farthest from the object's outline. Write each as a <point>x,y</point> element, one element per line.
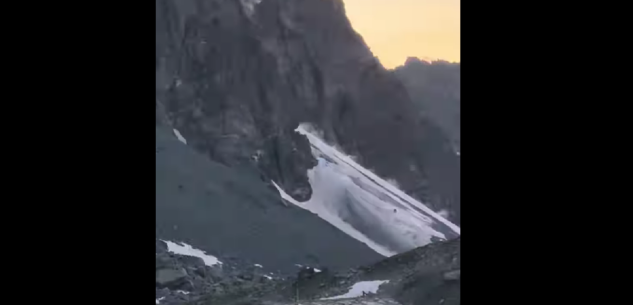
<point>183,292</point>
<point>159,299</point>
<point>315,269</point>
<point>179,136</point>
<point>259,266</point>
<point>359,289</point>
<point>268,277</point>
<point>188,250</point>
<point>443,213</point>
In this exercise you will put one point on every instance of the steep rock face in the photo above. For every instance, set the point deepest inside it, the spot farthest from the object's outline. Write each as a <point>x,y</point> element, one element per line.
<point>435,88</point>
<point>219,88</point>
<point>237,79</point>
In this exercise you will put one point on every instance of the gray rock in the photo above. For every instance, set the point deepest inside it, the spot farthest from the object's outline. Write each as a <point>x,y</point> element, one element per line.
<point>164,261</point>
<point>201,272</point>
<point>192,261</point>
<point>171,278</point>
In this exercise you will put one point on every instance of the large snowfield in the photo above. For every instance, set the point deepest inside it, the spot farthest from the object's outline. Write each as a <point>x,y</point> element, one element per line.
<point>365,206</point>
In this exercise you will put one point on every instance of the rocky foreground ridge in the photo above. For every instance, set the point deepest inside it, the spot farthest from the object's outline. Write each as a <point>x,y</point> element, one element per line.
<point>426,275</point>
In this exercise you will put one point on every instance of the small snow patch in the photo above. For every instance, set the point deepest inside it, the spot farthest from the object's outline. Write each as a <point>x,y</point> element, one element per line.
<point>179,136</point>
<point>188,250</point>
<point>300,266</point>
<point>183,292</point>
<point>268,277</point>
<point>259,266</point>
<point>359,289</point>
<point>159,299</point>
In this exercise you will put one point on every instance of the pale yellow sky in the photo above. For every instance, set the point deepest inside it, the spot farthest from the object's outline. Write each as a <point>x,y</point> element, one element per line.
<point>397,29</point>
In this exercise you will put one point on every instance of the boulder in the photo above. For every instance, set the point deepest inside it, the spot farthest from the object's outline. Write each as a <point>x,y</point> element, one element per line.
<point>171,278</point>
<point>164,261</point>
<point>192,261</point>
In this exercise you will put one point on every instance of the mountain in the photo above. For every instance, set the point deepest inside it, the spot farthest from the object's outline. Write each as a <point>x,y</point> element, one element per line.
<point>435,88</point>
<point>236,78</point>
<point>281,144</point>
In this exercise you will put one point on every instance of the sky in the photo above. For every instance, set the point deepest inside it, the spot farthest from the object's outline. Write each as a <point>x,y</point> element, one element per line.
<point>397,29</point>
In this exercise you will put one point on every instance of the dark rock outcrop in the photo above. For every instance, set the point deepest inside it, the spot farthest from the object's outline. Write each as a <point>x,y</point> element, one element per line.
<point>236,82</point>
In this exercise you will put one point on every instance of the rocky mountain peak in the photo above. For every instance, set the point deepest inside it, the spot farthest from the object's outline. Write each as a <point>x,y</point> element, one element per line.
<point>236,85</point>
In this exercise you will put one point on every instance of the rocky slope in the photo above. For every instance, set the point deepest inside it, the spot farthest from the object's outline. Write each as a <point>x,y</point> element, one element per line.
<point>237,77</point>
<point>426,275</point>
<point>229,212</point>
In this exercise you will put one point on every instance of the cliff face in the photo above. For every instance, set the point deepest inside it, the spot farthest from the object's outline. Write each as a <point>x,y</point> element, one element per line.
<point>435,88</point>
<point>237,77</point>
